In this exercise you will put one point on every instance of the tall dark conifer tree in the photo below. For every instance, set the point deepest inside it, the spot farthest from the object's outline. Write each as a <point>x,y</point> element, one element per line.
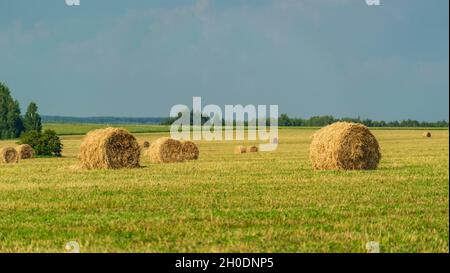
<point>11,123</point>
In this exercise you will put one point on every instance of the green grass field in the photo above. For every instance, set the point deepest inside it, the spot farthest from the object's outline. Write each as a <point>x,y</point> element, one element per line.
<point>64,129</point>
<point>266,202</point>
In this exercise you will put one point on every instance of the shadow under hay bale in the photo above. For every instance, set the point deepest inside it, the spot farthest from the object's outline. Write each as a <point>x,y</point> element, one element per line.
<point>344,146</point>
<point>427,134</point>
<point>9,155</point>
<point>189,150</point>
<point>240,150</point>
<point>25,151</point>
<point>252,149</point>
<point>109,148</point>
<point>165,150</point>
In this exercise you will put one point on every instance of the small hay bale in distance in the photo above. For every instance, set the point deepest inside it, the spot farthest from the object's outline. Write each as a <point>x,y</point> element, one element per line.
<point>252,149</point>
<point>9,155</point>
<point>165,150</point>
<point>189,150</point>
<point>109,148</point>
<point>25,151</point>
<point>427,134</point>
<point>344,146</point>
<point>145,144</point>
<point>240,150</point>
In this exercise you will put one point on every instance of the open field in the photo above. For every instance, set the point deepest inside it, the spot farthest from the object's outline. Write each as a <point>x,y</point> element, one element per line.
<point>266,202</point>
<point>64,129</point>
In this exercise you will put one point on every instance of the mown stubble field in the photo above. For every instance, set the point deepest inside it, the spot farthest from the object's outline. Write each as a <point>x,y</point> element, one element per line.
<point>266,202</point>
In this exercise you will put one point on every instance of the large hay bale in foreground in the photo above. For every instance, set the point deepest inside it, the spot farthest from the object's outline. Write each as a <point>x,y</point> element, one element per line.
<point>189,150</point>
<point>252,149</point>
<point>25,151</point>
<point>344,146</point>
<point>9,155</point>
<point>427,134</point>
<point>165,150</point>
<point>240,150</point>
<point>109,148</point>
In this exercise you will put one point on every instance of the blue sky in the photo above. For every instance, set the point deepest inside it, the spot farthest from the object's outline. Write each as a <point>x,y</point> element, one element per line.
<point>311,57</point>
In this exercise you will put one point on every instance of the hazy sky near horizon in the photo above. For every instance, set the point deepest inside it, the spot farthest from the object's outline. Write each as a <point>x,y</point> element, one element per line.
<point>311,57</point>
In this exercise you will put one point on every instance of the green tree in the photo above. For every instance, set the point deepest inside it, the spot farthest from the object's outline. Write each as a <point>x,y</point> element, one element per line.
<point>11,123</point>
<point>32,120</point>
<point>284,120</point>
<point>52,143</point>
<point>15,121</point>
<point>31,138</point>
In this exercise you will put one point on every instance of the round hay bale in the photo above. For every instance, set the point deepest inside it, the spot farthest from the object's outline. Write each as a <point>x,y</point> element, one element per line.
<point>344,146</point>
<point>240,150</point>
<point>9,155</point>
<point>190,150</point>
<point>427,134</point>
<point>252,149</point>
<point>165,150</point>
<point>146,144</point>
<point>109,148</point>
<point>25,151</point>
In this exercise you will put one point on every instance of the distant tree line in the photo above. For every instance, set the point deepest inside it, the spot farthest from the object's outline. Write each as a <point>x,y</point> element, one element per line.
<point>102,120</point>
<point>170,120</point>
<point>319,121</point>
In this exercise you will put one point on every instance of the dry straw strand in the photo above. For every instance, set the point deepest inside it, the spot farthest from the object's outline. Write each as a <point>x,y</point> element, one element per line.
<point>25,151</point>
<point>109,148</point>
<point>9,155</point>
<point>189,150</point>
<point>165,150</point>
<point>344,146</point>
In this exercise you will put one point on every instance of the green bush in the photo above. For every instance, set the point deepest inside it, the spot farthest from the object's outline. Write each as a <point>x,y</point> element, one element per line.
<point>44,144</point>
